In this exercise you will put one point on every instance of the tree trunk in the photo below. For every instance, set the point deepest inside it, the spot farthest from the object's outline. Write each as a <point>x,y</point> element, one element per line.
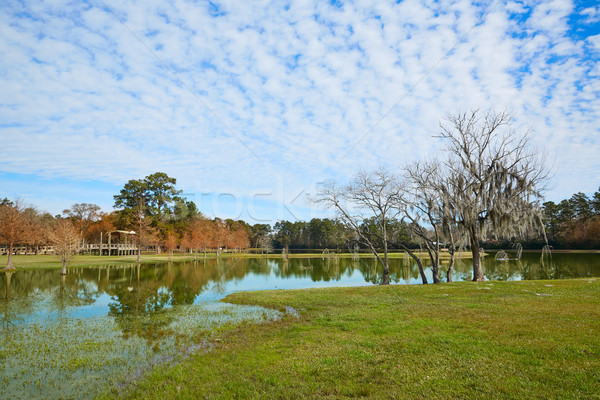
<point>450,267</point>
<point>418,261</point>
<point>195,255</point>
<point>477,269</point>
<point>64,267</point>
<point>9,264</point>
<point>420,265</point>
<point>386,265</point>
<point>435,259</point>
<point>386,274</point>
<point>139,254</point>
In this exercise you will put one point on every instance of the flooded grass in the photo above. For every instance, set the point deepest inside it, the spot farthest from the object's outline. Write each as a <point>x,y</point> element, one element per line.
<point>83,358</point>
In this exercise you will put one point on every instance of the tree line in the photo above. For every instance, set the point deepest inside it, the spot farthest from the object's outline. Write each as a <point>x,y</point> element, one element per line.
<point>574,223</point>
<point>484,188</point>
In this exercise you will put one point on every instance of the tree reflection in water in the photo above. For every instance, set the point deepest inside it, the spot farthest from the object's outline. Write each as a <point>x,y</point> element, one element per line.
<point>142,297</point>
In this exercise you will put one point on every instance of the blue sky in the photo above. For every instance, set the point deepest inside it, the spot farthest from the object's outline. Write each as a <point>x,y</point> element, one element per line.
<point>251,104</point>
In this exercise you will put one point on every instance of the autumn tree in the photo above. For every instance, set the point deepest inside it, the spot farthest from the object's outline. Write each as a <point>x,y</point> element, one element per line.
<point>36,224</point>
<point>83,216</point>
<point>497,177</point>
<point>170,243</point>
<point>219,234</point>
<point>66,241</point>
<point>239,237</point>
<point>13,227</point>
<point>198,236</point>
<point>103,224</point>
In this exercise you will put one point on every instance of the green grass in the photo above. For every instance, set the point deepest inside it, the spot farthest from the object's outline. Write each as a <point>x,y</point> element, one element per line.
<point>531,339</point>
<point>50,261</point>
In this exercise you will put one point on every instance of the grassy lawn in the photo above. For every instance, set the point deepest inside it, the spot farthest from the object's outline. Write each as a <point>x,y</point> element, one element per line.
<point>50,261</point>
<point>531,339</point>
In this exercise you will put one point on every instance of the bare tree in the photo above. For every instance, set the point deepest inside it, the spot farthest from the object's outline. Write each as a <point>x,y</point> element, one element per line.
<point>495,178</point>
<point>422,207</point>
<point>66,240</point>
<point>369,195</point>
<point>266,244</point>
<point>13,227</point>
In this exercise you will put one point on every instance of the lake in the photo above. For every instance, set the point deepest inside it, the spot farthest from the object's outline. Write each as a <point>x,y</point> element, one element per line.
<point>100,328</point>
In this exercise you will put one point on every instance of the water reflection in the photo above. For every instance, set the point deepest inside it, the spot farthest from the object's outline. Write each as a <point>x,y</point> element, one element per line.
<point>136,294</point>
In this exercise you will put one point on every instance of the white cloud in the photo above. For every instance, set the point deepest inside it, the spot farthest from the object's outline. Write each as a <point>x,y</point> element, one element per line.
<point>299,84</point>
<point>591,14</point>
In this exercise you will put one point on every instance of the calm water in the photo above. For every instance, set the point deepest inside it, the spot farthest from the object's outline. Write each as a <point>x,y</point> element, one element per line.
<point>104,326</point>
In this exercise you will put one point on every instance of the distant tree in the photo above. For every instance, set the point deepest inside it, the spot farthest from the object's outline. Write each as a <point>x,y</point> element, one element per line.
<point>36,225</point>
<point>14,226</point>
<point>239,236</point>
<point>266,244</point>
<point>257,233</point>
<point>83,216</point>
<point>551,218</point>
<point>142,225</point>
<point>497,176</point>
<point>582,206</point>
<point>595,203</point>
<point>566,211</point>
<point>185,211</point>
<point>161,192</point>
<point>219,234</point>
<point>66,241</point>
<point>324,233</point>
<point>105,223</point>
<point>158,192</point>
<point>283,234</point>
<point>170,243</point>
<point>198,235</point>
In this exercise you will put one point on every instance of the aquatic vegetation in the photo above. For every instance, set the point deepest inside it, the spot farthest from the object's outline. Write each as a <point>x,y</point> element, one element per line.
<point>82,358</point>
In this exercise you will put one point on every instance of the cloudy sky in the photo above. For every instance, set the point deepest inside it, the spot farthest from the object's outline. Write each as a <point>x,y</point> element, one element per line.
<point>250,104</point>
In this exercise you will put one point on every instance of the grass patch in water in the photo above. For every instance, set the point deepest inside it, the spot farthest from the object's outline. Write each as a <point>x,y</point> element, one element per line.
<point>82,358</point>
